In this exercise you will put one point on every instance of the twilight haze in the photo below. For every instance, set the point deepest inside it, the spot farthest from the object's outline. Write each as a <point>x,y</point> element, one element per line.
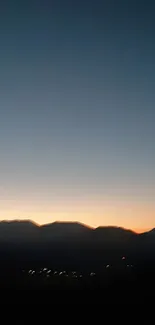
<point>77,111</point>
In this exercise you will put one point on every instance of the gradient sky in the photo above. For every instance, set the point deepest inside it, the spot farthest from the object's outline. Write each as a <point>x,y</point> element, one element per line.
<point>77,111</point>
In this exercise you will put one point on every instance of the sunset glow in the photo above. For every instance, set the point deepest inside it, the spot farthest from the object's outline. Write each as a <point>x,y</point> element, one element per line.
<point>94,213</point>
<point>77,115</point>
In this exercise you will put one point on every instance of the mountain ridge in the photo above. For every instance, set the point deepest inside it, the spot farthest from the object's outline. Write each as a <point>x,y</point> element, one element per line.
<point>71,245</point>
<point>65,223</point>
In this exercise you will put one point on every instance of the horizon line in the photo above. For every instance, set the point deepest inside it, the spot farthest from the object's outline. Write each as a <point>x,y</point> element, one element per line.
<point>136,230</point>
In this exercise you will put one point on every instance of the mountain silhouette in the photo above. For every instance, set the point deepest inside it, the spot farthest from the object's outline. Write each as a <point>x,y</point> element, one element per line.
<point>18,230</point>
<point>71,244</point>
<point>113,234</point>
<point>64,230</point>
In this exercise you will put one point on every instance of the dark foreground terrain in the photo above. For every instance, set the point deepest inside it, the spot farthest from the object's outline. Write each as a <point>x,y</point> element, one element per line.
<point>128,285</point>
<point>72,264</point>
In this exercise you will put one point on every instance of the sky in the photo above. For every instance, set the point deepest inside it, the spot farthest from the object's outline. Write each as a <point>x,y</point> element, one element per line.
<point>77,111</point>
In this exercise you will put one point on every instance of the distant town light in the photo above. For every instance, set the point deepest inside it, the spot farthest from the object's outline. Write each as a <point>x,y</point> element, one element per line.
<point>92,274</point>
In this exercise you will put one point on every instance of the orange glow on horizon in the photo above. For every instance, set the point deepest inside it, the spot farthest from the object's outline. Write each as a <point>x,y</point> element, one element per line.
<point>141,230</point>
<point>137,216</point>
<point>136,230</point>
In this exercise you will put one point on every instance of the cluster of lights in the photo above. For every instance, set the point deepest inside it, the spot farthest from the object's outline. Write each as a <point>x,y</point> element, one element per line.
<point>48,272</point>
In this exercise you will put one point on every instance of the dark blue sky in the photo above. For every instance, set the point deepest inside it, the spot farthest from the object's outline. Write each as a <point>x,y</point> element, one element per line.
<point>77,111</point>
